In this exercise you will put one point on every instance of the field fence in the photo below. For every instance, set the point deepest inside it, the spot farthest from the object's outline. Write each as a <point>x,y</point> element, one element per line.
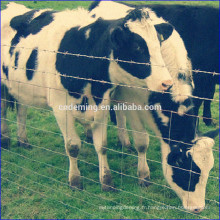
<point>122,153</point>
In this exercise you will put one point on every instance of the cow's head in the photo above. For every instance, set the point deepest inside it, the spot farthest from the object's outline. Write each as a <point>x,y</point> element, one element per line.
<point>187,171</point>
<point>136,39</point>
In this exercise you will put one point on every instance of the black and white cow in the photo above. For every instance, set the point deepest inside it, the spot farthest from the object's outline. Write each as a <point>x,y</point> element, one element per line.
<point>182,150</point>
<point>198,26</point>
<point>37,77</point>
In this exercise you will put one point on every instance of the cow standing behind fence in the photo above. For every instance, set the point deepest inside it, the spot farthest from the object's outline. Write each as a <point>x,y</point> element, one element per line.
<point>45,75</point>
<point>198,26</point>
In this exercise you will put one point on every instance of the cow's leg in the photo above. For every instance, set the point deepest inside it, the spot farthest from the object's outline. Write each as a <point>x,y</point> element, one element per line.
<point>207,113</point>
<point>197,104</point>
<point>88,131</point>
<point>141,141</point>
<point>207,105</point>
<point>99,131</point>
<point>21,123</point>
<point>72,141</point>
<point>122,131</point>
<point>5,134</point>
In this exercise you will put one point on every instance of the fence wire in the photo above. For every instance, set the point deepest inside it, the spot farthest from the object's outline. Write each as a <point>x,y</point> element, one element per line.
<point>117,189</point>
<point>122,152</point>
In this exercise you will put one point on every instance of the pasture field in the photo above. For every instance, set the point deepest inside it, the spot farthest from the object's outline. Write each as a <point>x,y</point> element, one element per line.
<point>34,182</point>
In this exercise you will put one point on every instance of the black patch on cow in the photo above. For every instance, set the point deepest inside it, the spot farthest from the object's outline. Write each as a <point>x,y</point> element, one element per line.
<point>185,179</point>
<point>105,36</point>
<point>25,25</point>
<point>93,16</point>
<point>93,5</point>
<point>187,103</point>
<point>74,41</point>
<point>7,96</point>
<point>31,64</point>
<point>181,76</point>
<point>136,14</point>
<point>16,59</point>
<point>5,70</point>
<point>82,107</point>
<point>179,129</point>
<point>130,46</point>
<point>164,29</point>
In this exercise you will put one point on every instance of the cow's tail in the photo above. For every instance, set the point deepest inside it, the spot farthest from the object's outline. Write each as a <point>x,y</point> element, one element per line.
<point>6,97</point>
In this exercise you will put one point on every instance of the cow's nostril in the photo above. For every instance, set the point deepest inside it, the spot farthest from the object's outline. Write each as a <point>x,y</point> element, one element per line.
<point>198,210</point>
<point>166,85</point>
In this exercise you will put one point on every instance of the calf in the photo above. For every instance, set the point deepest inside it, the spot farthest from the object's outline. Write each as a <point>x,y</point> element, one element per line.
<point>53,79</point>
<point>186,158</point>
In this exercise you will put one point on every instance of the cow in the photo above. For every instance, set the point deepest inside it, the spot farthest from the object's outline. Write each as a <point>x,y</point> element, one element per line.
<point>198,26</point>
<point>45,64</point>
<point>187,158</point>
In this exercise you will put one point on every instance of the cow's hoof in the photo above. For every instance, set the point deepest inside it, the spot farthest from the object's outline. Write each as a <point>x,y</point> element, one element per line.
<point>209,122</point>
<point>5,142</point>
<point>24,144</point>
<point>144,182</point>
<point>75,183</point>
<point>108,188</point>
<point>107,183</point>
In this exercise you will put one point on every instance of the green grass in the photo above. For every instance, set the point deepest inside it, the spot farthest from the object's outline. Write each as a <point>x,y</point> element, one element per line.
<point>45,198</point>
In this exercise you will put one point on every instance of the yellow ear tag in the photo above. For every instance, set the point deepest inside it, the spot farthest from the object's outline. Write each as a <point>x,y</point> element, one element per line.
<point>161,37</point>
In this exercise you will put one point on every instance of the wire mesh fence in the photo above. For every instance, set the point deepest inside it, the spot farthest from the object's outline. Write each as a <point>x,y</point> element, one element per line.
<point>16,162</point>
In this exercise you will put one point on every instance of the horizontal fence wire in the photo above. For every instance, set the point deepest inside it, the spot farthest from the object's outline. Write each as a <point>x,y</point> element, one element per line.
<point>92,96</point>
<point>96,97</point>
<point>43,195</point>
<point>55,190</point>
<point>106,124</point>
<point>114,171</point>
<point>117,189</point>
<point>84,142</point>
<point>111,83</point>
<point>106,58</point>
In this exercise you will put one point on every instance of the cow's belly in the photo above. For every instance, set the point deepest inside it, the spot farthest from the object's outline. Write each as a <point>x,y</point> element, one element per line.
<point>27,94</point>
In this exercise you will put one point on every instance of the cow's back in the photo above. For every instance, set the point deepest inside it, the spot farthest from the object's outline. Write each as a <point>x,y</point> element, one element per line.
<point>198,26</point>
<point>31,32</point>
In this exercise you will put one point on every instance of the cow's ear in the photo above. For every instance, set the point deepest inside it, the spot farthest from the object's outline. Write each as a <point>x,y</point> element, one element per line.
<point>211,134</point>
<point>117,37</point>
<point>164,31</point>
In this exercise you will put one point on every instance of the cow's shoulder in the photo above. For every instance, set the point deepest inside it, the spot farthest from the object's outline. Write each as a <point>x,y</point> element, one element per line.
<point>91,40</point>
